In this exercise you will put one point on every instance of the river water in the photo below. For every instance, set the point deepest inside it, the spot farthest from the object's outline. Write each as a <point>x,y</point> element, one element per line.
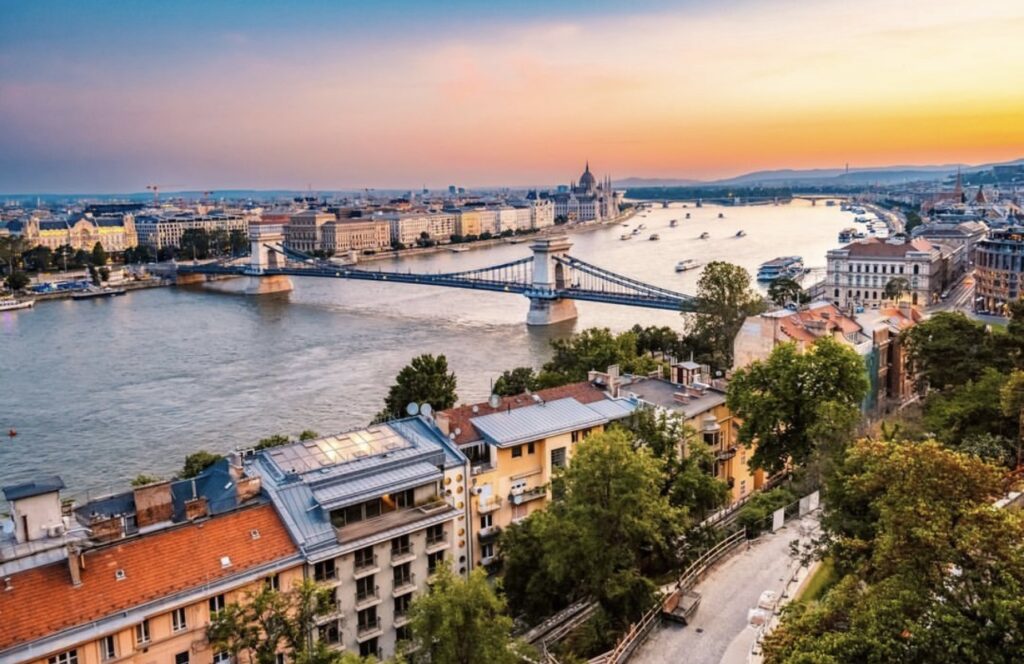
<point>102,390</point>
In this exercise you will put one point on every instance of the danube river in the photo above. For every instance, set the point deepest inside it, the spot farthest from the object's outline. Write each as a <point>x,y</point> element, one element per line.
<point>102,390</point>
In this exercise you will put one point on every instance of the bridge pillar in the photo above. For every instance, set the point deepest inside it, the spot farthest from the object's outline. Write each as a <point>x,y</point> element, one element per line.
<point>549,277</point>
<point>261,259</point>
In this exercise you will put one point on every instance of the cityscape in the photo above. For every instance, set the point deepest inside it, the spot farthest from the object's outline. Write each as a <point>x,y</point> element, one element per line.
<point>534,333</point>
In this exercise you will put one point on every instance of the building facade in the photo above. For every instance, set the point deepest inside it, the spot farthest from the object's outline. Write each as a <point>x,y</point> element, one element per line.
<point>857,274</point>
<point>338,237</point>
<point>114,232</point>
<point>587,200</point>
<point>999,269</point>
<point>159,232</point>
<point>304,231</point>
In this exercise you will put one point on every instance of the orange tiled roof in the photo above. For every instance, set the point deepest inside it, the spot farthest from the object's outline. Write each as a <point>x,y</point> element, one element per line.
<point>459,417</point>
<point>877,248</point>
<point>825,319</point>
<point>43,601</point>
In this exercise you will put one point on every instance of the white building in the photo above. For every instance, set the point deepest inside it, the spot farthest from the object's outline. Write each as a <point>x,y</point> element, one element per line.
<point>160,232</point>
<point>859,272</point>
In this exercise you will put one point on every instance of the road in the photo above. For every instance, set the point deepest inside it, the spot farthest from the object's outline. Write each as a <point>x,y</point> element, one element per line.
<point>719,633</point>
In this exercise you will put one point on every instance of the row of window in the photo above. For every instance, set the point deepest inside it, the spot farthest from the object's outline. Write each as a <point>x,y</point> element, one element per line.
<point>886,268</point>
<point>327,570</point>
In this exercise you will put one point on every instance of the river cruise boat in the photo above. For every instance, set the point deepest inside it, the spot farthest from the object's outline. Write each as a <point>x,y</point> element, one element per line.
<point>741,233</point>
<point>458,250</point>
<point>847,235</point>
<point>781,267</point>
<point>688,264</point>
<point>705,235</point>
<point>654,236</point>
<point>12,304</point>
<point>625,236</point>
<point>93,293</point>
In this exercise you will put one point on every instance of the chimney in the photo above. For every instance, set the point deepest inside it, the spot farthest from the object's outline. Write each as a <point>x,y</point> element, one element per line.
<point>76,563</point>
<point>153,503</point>
<point>196,508</point>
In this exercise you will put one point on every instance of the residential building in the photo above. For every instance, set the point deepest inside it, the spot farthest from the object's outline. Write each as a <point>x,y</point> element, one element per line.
<point>304,231</point>
<point>858,273</point>
<point>873,334</point>
<point>344,235</point>
<point>468,222</point>
<point>962,237</point>
<point>542,213</point>
<point>141,583</point>
<point>999,269</point>
<point>514,446</point>
<point>375,512</point>
<point>159,232</point>
<point>409,227</point>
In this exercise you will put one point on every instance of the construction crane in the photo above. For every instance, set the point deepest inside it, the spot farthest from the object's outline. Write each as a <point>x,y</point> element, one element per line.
<point>155,188</point>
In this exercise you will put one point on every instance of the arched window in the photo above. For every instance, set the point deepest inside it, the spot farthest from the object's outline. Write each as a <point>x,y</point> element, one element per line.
<point>917,269</point>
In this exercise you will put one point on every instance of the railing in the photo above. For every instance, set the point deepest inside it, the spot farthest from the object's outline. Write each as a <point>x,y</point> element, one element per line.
<point>435,539</point>
<point>490,532</point>
<point>528,495</point>
<point>365,565</point>
<point>403,582</point>
<point>366,627</point>
<point>368,595</point>
<point>488,505</point>
<point>402,550</point>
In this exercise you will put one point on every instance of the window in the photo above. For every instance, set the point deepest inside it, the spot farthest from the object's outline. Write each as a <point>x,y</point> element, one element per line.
<point>178,622</point>
<point>486,521</point>
<point>108,649</point>
<point>69,657</point>
<point>273,582</point>
<point>575,436</point>
<point>365,587</point>
<point>558,457</point>
<point>403,575</point>
<point>369,648</point>
<point>433,560</point>
<point>400,546</point>
<point>517,451</point>
<point>142,632</point>
<point>181,658</point>
<point>403,499</point>
<point>221,657</point>
<point>216,604</point>
<point>402,633</point>
<point>529,448</point>
<point>487,550</point>
<point>365,558</point>
<point>279,658</point>
<point>402,603</point>
<point>329,633</point>
<point>324,570</point>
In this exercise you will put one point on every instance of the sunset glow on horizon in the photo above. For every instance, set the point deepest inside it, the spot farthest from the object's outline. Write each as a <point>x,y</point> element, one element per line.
<point>249,95</point>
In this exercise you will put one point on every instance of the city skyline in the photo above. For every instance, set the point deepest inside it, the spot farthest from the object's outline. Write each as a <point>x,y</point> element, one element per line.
<point>112,98</point>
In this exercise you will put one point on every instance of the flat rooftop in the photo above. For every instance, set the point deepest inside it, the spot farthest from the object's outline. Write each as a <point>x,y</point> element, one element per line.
<point>662,393</point>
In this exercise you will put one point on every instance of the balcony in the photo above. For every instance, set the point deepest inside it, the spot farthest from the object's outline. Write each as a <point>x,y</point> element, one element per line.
<point>526,496</point>
<point>489,533</point>
<point>437,542</point>
<point>367,598</point>
<point>392,520</point>
<point>481,467</point>
<point>401,618</point>
<point>368,629</point>
<point>333,613</point>
<point>365,567</point>
<point>404,585</point>
<point>488,560</point>
<point>486,506</point>
<point>726,454</point>
<point>401,554</point>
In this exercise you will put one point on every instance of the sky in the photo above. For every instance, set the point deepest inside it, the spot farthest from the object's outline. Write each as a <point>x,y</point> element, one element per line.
<point>111,96</point>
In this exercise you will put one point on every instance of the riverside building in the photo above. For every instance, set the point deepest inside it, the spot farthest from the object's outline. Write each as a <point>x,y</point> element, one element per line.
<point>858,273</point>
<point>999,269</point>
<point>159,232</point>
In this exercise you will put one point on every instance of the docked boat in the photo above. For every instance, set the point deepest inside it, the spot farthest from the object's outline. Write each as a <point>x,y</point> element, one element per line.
<point>741,233</point>
<point>458,250</point>
<point>625,236</point>
<point>705,235</point>
<point>861,219</point>
<point>688,264</point>
<point>13,304</point>
<point>687,215</point>
<point>93,293</point>
<point>636,231</point>
<point>641,227</point>
<point>654,236</point>
<point>781,267</point>
<point>847,235</point>
<point>721,215</point>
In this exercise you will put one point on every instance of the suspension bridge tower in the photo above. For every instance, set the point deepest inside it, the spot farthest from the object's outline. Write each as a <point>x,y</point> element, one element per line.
<point>550,277</point>
<point>262,237</point>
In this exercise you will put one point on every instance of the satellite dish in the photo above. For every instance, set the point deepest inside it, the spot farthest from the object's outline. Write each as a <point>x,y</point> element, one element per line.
<point>412,408</point>
<point>458,431</point>
<point>425,409</point>
<point>494,401</point>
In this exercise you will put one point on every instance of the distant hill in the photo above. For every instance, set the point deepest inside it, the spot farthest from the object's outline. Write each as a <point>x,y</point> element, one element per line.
<point>654,182</point>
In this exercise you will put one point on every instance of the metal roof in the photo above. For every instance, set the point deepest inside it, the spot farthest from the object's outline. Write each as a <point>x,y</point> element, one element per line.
<point>522,425</point>
<point>33,488</point>
<point>370,486</point>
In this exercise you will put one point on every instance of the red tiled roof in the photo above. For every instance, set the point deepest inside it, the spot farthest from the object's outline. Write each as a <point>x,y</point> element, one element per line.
<point>459,417</point>
<point>810,324</point>
<point>43,600</point>
<point>876,248</point>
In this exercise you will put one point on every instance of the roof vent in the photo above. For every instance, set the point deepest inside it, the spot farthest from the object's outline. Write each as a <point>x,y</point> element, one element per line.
<point>7,584</point>
<point>120,575</point>
<point>225,562</point>
<point>254,533</point>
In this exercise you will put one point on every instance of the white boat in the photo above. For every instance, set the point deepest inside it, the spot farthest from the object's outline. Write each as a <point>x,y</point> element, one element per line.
<point>741,233</point>
<point>625,236</point>
<point>705,235</point>
<point>688,264</point>
<point>93,293</point>
<point>673,223</point>
<point>783,266</point>
<point>12,304</point>
<point>636,231</point>
<point>458,250</point>
<point>654,236</point>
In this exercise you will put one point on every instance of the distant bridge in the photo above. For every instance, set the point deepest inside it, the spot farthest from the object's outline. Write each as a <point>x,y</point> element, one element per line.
<point>550,278</point>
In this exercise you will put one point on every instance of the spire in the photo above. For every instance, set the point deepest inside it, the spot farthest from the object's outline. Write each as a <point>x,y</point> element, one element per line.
<point>980,198</point>
<point>958,190</point>
<point>587,169</point>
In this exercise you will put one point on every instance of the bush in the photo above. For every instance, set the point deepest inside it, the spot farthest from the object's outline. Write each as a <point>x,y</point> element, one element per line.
<point>755,516</point>
<point>17,280</point>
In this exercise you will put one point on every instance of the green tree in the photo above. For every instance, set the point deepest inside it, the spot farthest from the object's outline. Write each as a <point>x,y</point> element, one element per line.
<point>143,480</point>
<point>11,249</point>
<point>99,255</point>
<point>462,621</point>
<point>39,258</point>
<point>238,242</point>
<point>308,434</point>
<point>913,221</point>
<point>785,291</point>
<point>596,349</point>
<point>532,590</point>
<point>425,380</point>
<point>791,402</point>
<point>515,381</point>
<point>194,244</point>
<point>896,288</point>
<point>17,280</point>
<point>268,621</point>
<point>273,441</point>
<point>724,300</point>
<point>197,462</point>
<point>971,408</point>
<point>948,349</point>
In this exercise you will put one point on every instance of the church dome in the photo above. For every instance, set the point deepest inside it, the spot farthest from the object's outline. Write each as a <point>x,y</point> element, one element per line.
<point>587,180</point>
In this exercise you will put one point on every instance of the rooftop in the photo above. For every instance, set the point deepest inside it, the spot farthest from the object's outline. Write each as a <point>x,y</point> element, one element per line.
<point>33,488</point>
<point>877,248</point>
<point>660,392</point>
<point>540,420</point>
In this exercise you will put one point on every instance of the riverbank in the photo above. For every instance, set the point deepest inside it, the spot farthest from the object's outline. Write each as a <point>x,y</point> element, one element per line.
<point>127,285</point>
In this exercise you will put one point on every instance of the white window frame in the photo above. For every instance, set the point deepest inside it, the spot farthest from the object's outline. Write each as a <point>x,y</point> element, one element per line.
<point>142,635</point>
<point>179,620</point>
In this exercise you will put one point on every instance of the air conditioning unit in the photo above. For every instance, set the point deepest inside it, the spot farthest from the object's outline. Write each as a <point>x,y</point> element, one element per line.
<point>55,530</point>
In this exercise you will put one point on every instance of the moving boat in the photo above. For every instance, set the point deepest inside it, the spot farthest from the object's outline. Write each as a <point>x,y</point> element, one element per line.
<point>673,223</point>
<point>458,250</point>
<point>636,231</point>
<point>687,215</point>
<point>705,235</point>
<point>781,267</point>
<point>93,293</point>
<point>688,264</point>
<point>625,236</point>
<point>721,215</point>
<point>741,233</point>
<point>654,236</point>
<point>12,304</point>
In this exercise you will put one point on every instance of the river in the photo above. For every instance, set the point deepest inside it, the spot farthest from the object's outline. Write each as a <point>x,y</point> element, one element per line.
<point>102,390</point>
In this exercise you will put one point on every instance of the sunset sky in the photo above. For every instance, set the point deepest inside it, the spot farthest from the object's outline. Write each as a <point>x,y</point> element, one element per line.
<point>108,96</point>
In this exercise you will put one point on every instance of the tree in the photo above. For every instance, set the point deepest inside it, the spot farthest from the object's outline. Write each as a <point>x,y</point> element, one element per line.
<point>269,621</point>
<point>308,434</point>
<point>596,349</point>
<point>462,621</point>
<point>17,280</point>
<point>532,590</point>
<point>194,244</point>
<point>273,441</point>
<point>11,249</point>
<point>785,291</point>
<point>99,255</point>
<point>143,480</point>
<point>425,380</point>
<point>239,242</point>
<point>515,381</point>
<point>39,259</point>
<point>724,300</point>
<point>946,350</point>
<point>931,569</point>
<point>197,462</point>
<point>896,288</point>
<point>104,273</point>
<point>790,402</point>
<point>972,408</point>
<point>913,221</point>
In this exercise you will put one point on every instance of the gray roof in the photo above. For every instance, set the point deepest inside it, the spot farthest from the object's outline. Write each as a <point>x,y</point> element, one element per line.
<point>662,393</point>
<point>522,425</point>
<point>34,488</point>
<point>369,486</point>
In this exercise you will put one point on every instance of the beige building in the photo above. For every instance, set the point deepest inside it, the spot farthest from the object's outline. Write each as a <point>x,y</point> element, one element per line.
<point>345,235</point>
<point>115,232</point>
<point>160,232</point>
<point>408,227</point>
<point>468,221</point>
<point>304,231</point>
<point>857,274</point>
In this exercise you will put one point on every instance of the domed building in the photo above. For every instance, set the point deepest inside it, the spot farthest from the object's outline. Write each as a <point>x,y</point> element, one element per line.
<point>587,200</point>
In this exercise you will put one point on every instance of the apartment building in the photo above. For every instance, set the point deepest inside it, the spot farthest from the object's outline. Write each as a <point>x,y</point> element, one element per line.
<point>344,235</point>
<point>158,232</point>
<point>858,273</point>
<point>468,222</point>
<point>304,231</point>
<point>375,512</point>
<point>409,227</point>
<point>135,577</point>
<point>515,445</point>
<point>999,272</point>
